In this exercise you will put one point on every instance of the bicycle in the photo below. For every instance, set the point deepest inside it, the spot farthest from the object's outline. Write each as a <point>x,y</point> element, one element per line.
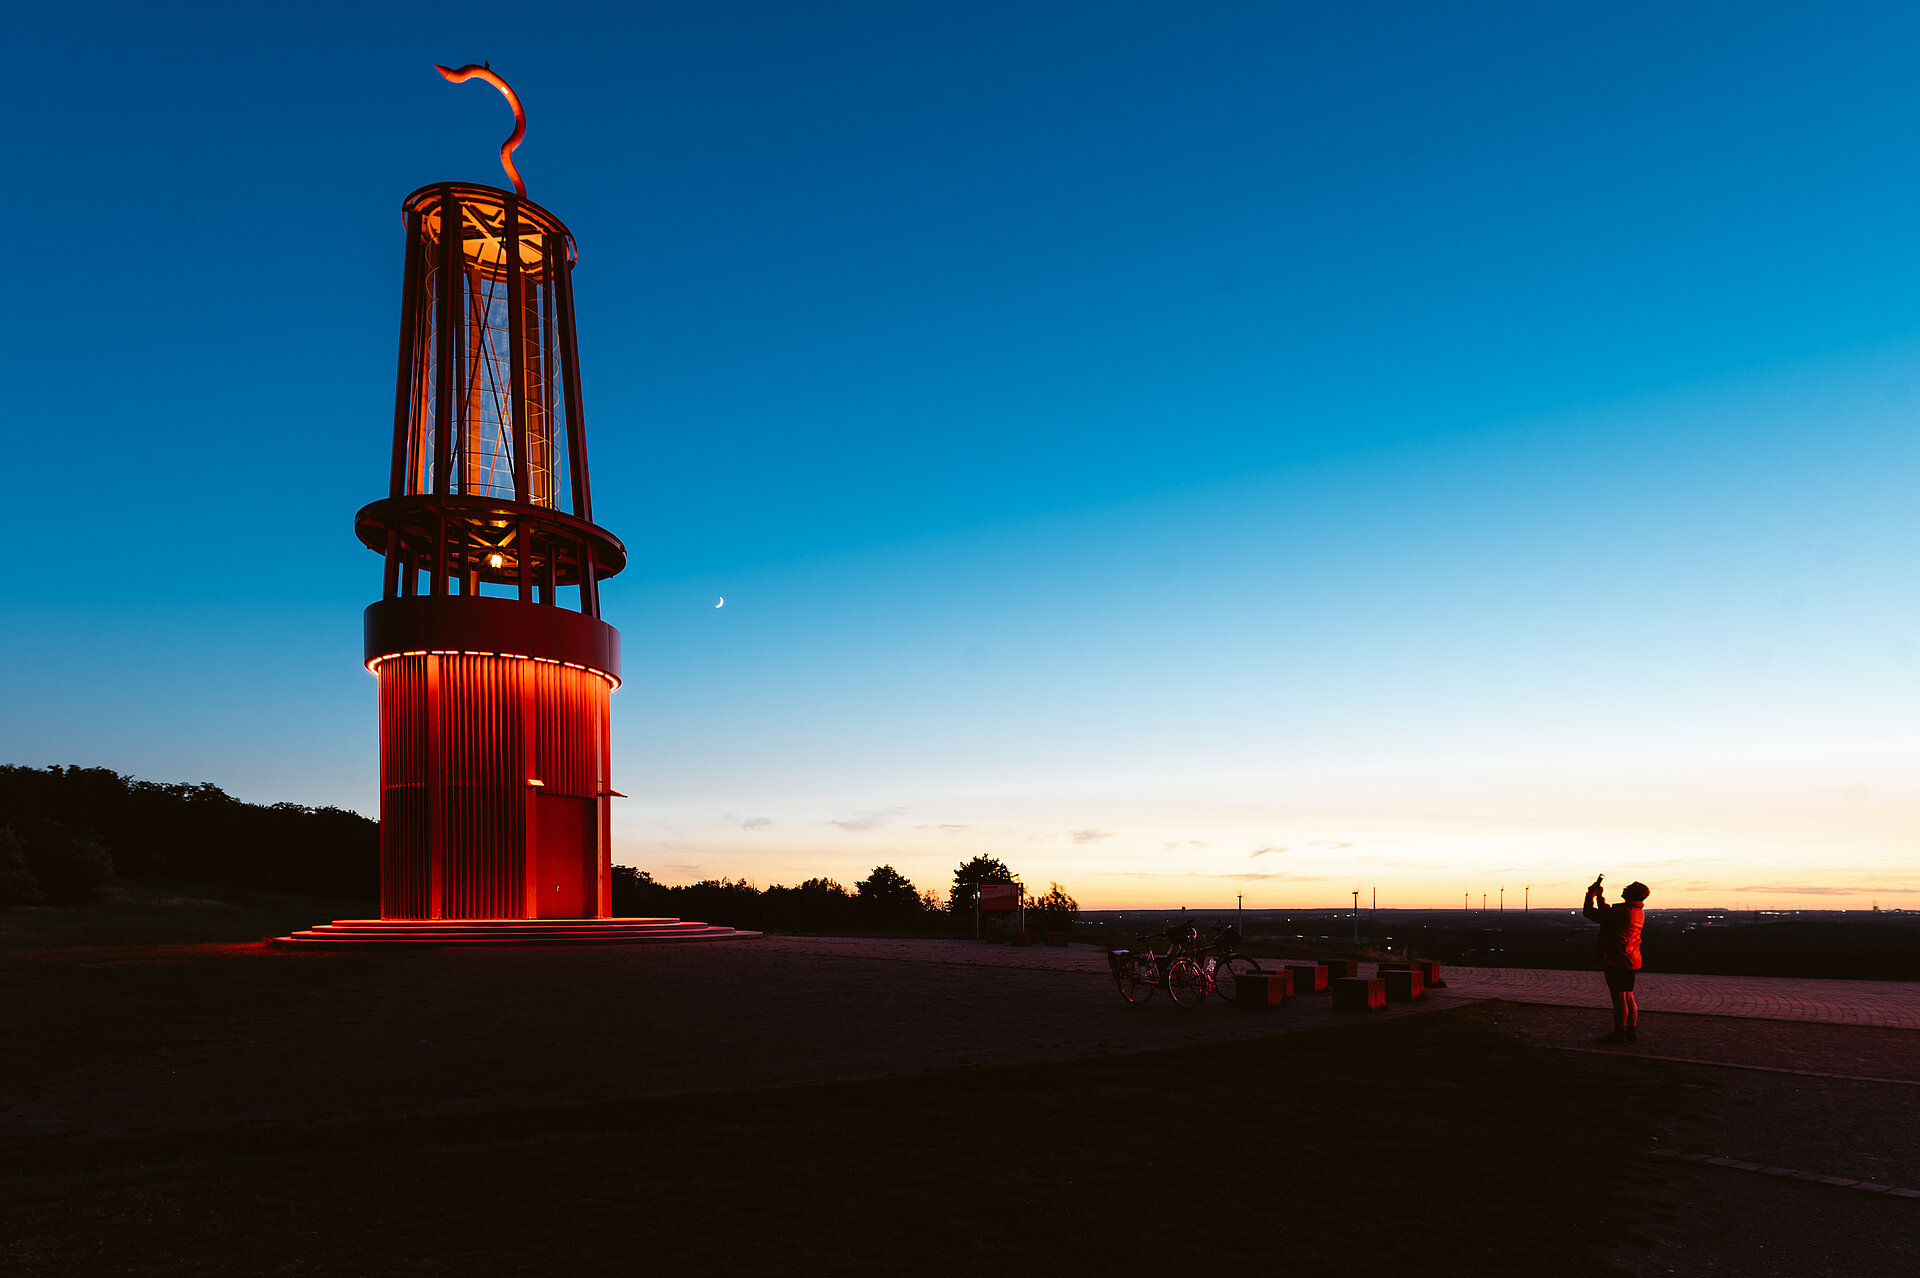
<point>1223,963</point>
<point>1176,971</point>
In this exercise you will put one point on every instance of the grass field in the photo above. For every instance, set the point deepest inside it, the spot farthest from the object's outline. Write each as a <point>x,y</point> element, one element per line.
<point>159,912</point>
<point>153,967</point>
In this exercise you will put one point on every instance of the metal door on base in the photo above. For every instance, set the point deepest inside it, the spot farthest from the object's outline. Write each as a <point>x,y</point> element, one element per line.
<point>566,854</point>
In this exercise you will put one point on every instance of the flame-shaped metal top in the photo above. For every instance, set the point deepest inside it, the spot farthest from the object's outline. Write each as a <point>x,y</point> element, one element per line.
<point>482,71</point>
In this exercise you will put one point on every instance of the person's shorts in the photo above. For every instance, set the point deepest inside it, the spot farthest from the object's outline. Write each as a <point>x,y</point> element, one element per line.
<point>1620,979</point>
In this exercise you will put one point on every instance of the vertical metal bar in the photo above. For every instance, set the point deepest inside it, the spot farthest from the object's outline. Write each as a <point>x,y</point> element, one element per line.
<point>475,474</point>
<point>517,354</point>
<point>456,543</point>
<point>439,554</point>
<point>409,349</point>
<point>550,392</point>
<point>523,555</point>
<point>425,375</point>
<point>589,580</point>
<point>570,373</point>
<point>446,339</point>
<point>391,586</point>
<point>465,369</point>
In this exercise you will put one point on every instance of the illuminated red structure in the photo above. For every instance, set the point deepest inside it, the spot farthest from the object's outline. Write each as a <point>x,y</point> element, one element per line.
<point>494,664</point>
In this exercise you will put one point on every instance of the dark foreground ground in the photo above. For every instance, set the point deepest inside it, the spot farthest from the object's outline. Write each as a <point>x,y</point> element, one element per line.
<point>236,1110</point>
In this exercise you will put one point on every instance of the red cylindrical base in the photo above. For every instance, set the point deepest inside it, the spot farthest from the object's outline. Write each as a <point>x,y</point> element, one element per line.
<point>493,788</point>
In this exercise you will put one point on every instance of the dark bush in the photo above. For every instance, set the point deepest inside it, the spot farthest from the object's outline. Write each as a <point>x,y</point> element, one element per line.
<point>200,833</point>
<point>17,884</point>
<point>71,865</point>
<point>886,899</point>
<point>886,902</point>
<point>1054,912</point>
<point>637,896</point>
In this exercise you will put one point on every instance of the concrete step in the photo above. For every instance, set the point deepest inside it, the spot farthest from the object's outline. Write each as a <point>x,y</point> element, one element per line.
<point>405,933</point>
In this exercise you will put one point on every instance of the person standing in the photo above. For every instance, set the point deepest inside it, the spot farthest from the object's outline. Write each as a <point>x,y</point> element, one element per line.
<point>1618,949</point>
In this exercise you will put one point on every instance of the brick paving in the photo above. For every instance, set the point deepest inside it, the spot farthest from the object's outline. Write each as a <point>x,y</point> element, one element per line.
<point>1887,1004</point>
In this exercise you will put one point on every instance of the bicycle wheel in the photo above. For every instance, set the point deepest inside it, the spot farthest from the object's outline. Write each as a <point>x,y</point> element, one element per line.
<point>1186,983</point>
<point>1226,975</point>
<point>1135,979</point>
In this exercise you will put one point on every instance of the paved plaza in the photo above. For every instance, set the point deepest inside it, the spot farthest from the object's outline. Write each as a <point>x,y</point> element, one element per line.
<point>443,1030</point>
<point>1887,1004</point>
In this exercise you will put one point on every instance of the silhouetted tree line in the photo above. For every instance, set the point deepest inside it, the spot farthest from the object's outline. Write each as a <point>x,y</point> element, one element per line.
<point>883,901</point>
<point>66,832</point>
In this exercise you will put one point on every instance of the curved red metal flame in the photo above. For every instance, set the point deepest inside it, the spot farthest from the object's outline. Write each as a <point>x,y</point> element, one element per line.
<point>480,71</point>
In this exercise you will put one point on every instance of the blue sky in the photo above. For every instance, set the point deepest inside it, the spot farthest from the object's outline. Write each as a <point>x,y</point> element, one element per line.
<point>1266,447</point>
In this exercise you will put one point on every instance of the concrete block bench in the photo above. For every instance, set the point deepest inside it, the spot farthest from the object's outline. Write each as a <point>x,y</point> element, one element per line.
<point>1056,939</point>
<point>1429,970</point>
<point>1339,968</point>
<point>1308,978</point>
<point>1403,985</point>
<point>1359,994</point>
<point>1263,989</point>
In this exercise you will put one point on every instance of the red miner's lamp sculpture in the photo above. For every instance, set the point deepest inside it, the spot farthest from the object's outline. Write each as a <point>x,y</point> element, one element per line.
<point>493,662</point>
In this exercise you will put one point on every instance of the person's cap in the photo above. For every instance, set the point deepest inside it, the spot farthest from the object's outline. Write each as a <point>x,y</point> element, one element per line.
<point>1636,891</point>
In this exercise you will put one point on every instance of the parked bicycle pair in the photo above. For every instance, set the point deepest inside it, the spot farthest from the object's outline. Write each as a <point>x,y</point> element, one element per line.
<point>1187,970</point>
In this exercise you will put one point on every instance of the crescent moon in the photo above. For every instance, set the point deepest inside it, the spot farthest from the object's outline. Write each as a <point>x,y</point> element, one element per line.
<point>722,603</point>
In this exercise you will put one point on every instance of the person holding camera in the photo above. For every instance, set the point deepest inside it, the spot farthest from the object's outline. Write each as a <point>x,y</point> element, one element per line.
<point>1618,949</point>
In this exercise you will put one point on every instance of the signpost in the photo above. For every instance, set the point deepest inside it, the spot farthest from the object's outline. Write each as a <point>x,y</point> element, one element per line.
<point>1003,897</point>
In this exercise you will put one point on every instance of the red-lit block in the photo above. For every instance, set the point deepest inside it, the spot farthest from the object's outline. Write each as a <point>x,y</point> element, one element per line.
<point>1429,970</point>
<point>1404,986</point>
<point>1263,989</point>
<point>1019,938</point>
<point>1358,994</point>
<point>1056,939</point>
<point>1339,968</point>
<point>1309,978</point>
